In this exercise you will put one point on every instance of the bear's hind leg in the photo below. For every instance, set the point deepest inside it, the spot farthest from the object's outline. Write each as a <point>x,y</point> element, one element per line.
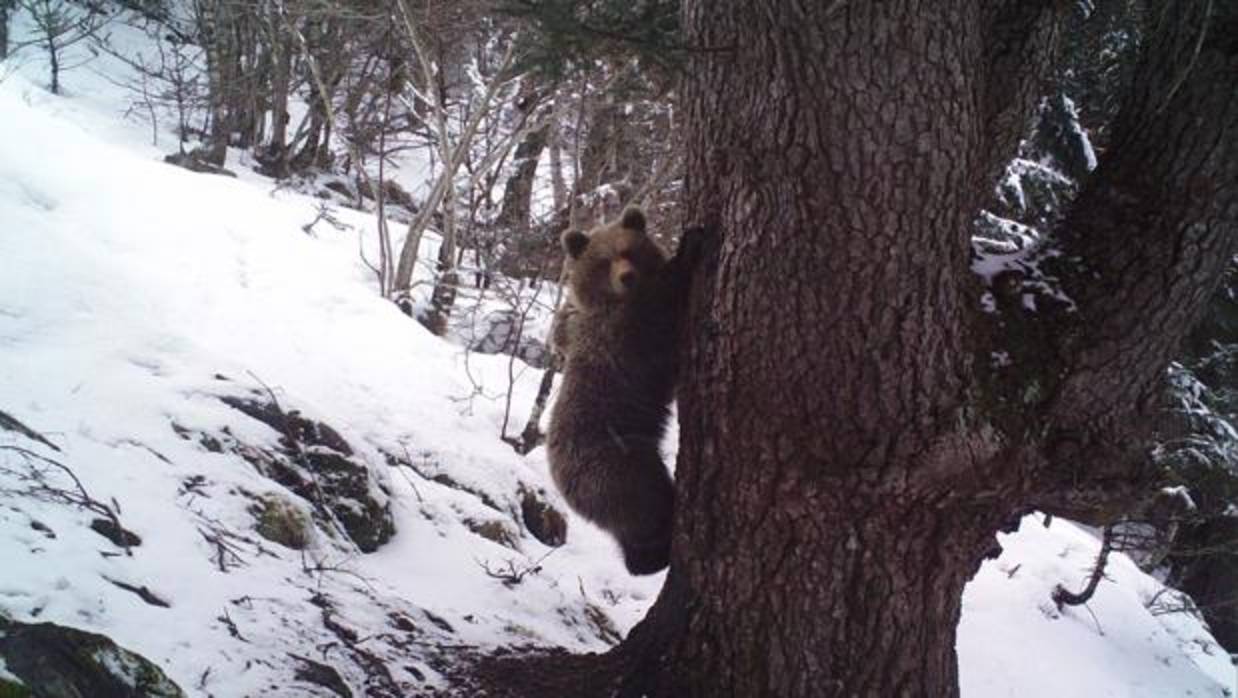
<point>629,494</point>
<point>647,504</point>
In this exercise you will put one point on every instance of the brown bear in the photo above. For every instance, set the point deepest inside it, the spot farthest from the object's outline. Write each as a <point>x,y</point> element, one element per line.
<point>618,335</point>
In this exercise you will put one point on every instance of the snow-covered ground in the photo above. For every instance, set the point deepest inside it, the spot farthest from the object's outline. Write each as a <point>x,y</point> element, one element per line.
<point>128,288</point>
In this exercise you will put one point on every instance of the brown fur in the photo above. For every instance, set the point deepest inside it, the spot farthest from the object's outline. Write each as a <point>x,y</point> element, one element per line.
<point>618,335</point>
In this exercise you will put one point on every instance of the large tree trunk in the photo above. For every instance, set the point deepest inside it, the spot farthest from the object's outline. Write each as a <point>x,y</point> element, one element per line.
<point>847,449</point>
<point>834,499</point>
<point>844,597</point>
<point>817,567</point>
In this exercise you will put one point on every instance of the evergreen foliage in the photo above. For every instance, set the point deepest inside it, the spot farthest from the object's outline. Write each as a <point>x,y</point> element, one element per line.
<point>567,36</point>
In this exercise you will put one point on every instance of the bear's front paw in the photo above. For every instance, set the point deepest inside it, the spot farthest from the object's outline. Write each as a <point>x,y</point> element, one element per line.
<point>696,243</point>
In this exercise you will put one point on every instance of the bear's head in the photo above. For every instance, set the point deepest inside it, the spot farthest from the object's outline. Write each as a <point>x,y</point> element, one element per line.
<point>613,262</point>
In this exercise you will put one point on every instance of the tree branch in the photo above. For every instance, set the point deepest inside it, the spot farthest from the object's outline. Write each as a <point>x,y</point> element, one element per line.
<point>1138,254</point>
<point>1065,597</point>
<point>1164,194</point>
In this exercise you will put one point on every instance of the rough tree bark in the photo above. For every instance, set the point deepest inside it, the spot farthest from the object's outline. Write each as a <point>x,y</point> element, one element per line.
<point>847,449</point>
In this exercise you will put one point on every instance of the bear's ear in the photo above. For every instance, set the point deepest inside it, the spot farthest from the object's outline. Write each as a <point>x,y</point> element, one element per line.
<point>574,243</point>
<point>633,219</point>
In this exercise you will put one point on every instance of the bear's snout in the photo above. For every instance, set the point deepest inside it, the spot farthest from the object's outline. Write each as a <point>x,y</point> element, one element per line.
<point>623,276</point>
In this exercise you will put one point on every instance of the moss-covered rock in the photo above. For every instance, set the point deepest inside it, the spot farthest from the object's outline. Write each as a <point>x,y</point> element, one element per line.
<point>495,531</point>
<point>545,522</point>
<point>55,661</point>
<point>12,689</point>
<point>317,464</point>
<point>279,520</point>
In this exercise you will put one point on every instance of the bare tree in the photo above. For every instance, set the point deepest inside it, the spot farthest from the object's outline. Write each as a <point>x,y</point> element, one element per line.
<point>454,147</point>
<point>165,76</point>
<point>6,12</point>
<point>60,25</point>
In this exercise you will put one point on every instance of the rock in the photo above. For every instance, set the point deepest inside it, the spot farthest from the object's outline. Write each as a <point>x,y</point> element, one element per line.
<point>543,521</point>
<point>61,662</point>
<point>341,188</point>
<point>493,530</point>
<point>345,486</point>
<point>314,461</point>
<point>393,193</point>
<point>500,338</point>
<point>45,530</point>
<point>320,674</point>
<point>281,521</point>
<point>445,480</point>
<point>116,533</point>
<point>12,689</point>
<point>194,163</point>
<point>438,621</point>
<point>294,429</point>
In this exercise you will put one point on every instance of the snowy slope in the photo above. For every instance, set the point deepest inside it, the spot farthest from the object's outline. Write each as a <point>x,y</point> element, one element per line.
<point>1014,642</point>
<point>127,286</point>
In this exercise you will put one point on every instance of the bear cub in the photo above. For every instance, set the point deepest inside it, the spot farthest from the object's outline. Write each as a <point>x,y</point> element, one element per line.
<point>617,333</point>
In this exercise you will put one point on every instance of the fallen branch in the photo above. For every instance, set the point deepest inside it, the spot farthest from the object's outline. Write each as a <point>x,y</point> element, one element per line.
<point>142,592</point>
<point>513,575</point>
<point>1064,597</point>
<point>11,423</point>
<point>77,496</point>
